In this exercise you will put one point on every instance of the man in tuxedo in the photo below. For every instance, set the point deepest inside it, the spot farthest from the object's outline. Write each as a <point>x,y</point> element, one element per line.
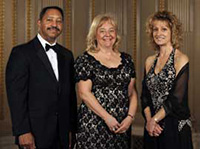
<point>40,87</point>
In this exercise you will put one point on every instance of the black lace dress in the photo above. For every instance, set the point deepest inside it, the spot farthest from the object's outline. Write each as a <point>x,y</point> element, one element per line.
<point>167,90</point>
<point>110,87</point>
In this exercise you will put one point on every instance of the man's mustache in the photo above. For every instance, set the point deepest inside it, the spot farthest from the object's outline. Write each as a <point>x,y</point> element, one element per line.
<point>53,27</point>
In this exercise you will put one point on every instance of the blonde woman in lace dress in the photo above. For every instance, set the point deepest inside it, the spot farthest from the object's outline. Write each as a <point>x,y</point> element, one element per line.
<point>106,85</point>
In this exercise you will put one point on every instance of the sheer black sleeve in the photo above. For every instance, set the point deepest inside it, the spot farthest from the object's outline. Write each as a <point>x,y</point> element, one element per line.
<point>177,101</point>
<point>145,96</point>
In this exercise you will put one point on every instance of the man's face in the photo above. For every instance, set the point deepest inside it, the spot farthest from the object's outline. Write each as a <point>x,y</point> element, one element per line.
<point>51,25</point>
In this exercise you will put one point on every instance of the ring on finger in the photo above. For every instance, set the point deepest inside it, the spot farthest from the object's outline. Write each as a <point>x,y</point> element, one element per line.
<point>113,129</point>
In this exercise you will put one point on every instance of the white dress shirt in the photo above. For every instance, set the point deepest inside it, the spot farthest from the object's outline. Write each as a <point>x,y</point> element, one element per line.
<point>52,55</point>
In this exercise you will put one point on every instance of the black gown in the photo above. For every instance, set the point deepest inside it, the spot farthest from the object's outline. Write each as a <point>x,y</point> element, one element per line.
<point>110,87</point>
<point>169,91</point>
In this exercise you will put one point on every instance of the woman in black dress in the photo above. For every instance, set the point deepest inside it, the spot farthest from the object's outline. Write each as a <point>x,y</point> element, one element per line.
<point>165,87</point>
<point>106,85</point>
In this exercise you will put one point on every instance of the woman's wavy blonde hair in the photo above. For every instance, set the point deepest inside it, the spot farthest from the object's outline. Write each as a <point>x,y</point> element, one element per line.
<point>97,22</point>
<point>173,23</point>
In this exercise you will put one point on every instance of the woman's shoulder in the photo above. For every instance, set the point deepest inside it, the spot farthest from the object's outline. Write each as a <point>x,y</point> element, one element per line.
<point>83,57</point>
<point>84,63</point>
<point>149,62</point>
<point>180,60</point>
<point>150,59</point>
<point>126,56</point>
<point>126,59</point>
<point>180,57</point>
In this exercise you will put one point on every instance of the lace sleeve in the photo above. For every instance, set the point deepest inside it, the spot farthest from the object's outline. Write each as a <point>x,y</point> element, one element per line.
<point>83,68</point>
<point>177,101</point>
<point>130,64</point>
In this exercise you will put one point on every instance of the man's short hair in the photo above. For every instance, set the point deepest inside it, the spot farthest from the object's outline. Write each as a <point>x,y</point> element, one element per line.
<point>43,11</point>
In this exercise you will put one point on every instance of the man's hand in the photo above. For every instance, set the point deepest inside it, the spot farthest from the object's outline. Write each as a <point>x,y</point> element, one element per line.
<point>70,140</point>
<point>26,141</point>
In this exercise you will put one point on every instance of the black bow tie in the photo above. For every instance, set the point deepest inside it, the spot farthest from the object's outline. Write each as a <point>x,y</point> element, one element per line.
<point>47,47</point>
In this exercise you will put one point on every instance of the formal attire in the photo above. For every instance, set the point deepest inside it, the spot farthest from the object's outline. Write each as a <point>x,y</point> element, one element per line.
<point>165,89</point>
<point>41,92</point>
<point>110,87</point>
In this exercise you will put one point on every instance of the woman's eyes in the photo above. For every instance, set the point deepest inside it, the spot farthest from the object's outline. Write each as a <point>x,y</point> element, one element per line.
<point>110,31</point>
<point>102,31</point>
<point>162,29</point>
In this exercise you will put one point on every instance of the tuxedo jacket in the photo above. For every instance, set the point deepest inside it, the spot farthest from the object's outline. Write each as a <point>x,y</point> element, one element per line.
<point>38,102</point>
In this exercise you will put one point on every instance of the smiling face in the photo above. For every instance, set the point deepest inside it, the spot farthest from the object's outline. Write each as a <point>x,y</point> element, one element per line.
<point>106,35</point>
<point>161,33</point>
<point>50,26</point>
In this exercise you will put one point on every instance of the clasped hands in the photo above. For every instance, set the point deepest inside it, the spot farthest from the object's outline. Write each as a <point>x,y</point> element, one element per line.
<point>153,128</point>
<point>117,127</point>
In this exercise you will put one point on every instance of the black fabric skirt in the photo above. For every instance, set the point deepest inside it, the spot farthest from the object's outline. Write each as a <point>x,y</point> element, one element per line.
<point>170,138</point>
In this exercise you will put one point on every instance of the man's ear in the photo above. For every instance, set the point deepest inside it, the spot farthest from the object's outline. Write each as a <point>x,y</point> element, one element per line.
<point>39,23</point>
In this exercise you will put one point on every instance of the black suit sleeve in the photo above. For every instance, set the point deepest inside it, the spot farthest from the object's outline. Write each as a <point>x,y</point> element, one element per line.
<point>17,75</point>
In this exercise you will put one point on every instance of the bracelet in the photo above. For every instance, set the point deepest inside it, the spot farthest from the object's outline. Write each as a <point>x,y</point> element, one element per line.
<point>131,116</point>
<point>156,120</point>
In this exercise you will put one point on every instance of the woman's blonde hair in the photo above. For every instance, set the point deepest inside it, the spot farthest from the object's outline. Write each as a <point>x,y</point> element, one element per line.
<point>97,22</point>
<point>173,23</point>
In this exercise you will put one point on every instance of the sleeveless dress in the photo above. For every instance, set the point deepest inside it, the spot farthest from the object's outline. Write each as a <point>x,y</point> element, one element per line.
<point>174,134</point>
<point>110,87</point>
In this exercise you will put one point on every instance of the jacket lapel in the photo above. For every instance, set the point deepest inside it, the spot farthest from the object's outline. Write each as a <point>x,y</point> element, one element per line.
<point>43,57</point>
